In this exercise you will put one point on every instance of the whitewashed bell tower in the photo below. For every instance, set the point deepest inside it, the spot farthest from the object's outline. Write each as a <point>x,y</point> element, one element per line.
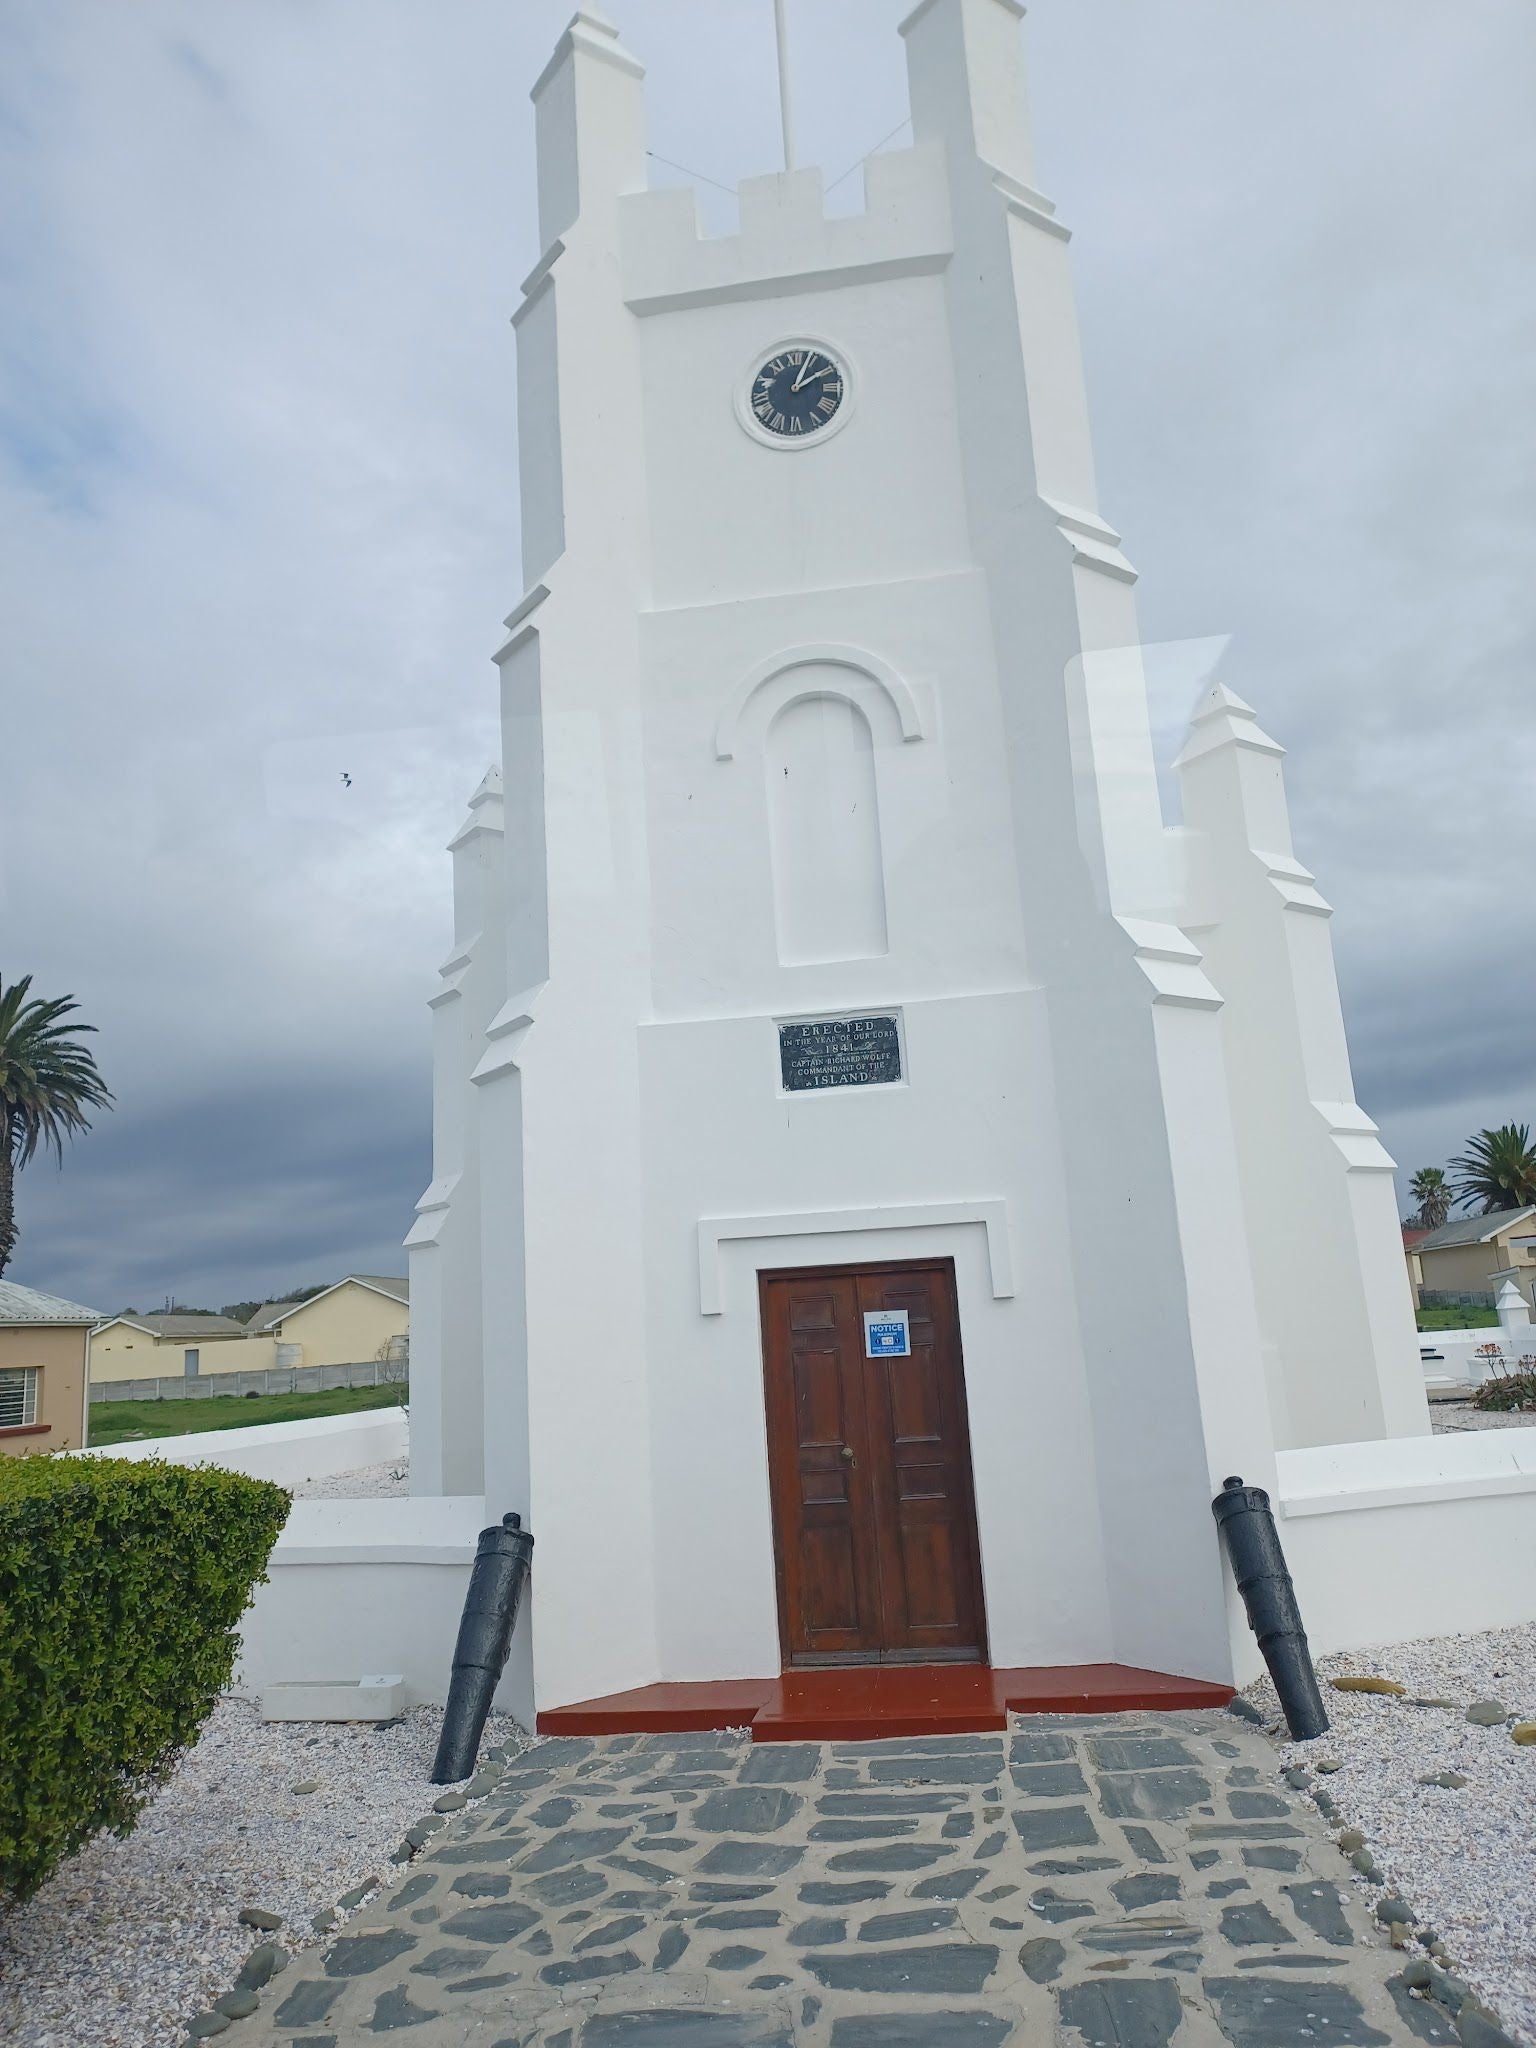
<point>824,922</point>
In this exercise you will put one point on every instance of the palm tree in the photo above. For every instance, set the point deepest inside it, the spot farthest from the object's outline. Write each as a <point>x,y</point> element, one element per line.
<point>1498,1170</point>
<point>47,1083</point>
<point>1430,1189</point>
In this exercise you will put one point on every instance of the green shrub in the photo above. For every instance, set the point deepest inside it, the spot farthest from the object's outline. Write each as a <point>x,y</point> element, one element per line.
<point>1508,1392</point>
<point>122,1585</point>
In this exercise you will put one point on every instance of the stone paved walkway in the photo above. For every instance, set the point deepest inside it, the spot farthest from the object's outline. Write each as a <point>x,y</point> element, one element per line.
<point>1125,1882</point>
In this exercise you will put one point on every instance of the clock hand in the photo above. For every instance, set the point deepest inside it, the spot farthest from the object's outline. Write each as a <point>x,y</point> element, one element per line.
<point>806,372</point>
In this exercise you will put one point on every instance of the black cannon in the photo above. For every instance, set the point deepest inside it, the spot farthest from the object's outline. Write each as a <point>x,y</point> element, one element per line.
<point>1258,1564</point>
<point>496,1583</point>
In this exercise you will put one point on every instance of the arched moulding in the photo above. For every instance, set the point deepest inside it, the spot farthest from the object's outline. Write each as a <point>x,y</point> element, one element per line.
<point>800,672</point>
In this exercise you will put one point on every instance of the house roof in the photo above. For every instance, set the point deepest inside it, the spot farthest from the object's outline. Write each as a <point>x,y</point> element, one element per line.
<point>280,1311</point>
<point>1473,1229</point>
<point>175,1325</point>
<point>25,1305</point>
<point>1414,1235</point>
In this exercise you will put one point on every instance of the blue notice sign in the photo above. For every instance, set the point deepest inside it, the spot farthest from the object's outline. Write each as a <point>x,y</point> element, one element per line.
<point>887,1334</point>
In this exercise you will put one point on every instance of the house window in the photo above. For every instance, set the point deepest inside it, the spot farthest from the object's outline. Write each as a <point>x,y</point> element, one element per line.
<point>18,1397</point>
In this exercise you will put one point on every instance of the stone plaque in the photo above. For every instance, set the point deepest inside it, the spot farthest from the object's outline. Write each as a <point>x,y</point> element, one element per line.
<point>839,1052</point>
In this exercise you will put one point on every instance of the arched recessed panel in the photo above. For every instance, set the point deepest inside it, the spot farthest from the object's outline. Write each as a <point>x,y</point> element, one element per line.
<point>824,827</point>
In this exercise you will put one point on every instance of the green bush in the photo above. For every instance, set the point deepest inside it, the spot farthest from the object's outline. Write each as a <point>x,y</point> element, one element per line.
<point>122,1585</point>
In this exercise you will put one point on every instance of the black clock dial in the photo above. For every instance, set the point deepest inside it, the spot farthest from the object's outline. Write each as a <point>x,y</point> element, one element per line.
<point>797,392</point>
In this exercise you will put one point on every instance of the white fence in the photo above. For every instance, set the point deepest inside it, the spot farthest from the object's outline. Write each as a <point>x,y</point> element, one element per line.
<point>295,1379</point>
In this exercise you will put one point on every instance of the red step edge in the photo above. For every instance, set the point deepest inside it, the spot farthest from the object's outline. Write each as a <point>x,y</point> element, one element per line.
<point>871,1702</point>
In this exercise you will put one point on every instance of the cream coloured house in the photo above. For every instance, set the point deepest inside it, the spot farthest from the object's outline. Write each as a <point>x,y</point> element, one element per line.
<point>358,1320</point>
<point>1476,1254</point>
<point>363,1317</point>
<point>44,1346</point>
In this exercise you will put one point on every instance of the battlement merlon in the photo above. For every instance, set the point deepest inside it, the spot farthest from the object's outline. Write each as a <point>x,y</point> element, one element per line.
<point>589,123</point>
<point>786,240</point>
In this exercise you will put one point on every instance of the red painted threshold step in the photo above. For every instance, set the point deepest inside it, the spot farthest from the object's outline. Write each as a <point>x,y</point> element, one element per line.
<point>864,1702</point>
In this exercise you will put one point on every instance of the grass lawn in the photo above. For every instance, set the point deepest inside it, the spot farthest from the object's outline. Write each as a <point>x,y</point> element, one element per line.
<point>1457,1319</point>
<point>115,1422</point>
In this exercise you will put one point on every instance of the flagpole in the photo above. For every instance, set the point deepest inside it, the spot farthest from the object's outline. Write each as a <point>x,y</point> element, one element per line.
<point>781,24</point>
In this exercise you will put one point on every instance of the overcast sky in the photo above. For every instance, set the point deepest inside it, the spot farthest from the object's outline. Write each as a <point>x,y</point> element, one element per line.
<point>258,523</point>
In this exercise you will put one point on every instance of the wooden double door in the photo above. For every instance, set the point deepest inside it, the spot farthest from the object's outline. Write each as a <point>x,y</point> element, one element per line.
<point>870,1469</point>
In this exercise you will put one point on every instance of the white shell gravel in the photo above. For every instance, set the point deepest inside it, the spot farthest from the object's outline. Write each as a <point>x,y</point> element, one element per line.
<point>129,1939</point>
<point>366,1482</point>
<point>1464,1861</point>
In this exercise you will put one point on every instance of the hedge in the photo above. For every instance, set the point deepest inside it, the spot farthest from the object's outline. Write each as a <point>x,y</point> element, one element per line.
<point>122,1585</point>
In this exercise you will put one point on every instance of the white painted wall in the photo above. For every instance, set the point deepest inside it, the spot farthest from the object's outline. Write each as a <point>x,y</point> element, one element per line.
<point>1424,1536</point>
<point>285,1452</point>
<point>361,1586</point>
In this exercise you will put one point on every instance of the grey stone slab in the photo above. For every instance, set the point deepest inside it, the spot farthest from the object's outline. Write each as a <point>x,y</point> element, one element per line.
<point>751,1859</point>
<point>566,1887</point>
<point>747,1810</point>
<point>503,1921</point>
<point>1145,1890</point>
<point>716,1894</point>
<point>820,1930</point>
<point>307,2002</point>
<point>891,1856</point>
<point>781,1763</point>
<point>735,1956</point>
<point>820,1892</point>
<point>639,1902</point>
<point>1134,1937</point>
<point>1152,1795</point>
<point>481,1884</point>
<point>673,1942</point>
<point>358,1955</point>
<point>1123,2012</point>
<point>686,2027</point>
<point>1242,1831</point>
<point>910,1926</point>
<point>448,1962</point>
<point>948,1884</point>
<point>636,1866</point>
<point>769,1983</point>
<point>1139,1752</point>
<point>586,1969</point>
<point>466,1987</point>
<point>848,1829</point>
<point>416,1888</point>
<point>853,1804</point>
<point>610,1933</point>
<point>1072,1866</point>
<point>1272,1856</point>
<point>991,1847</point>
<point>1048,1781</point>
<point>393,2009</point>
<point>558,1752</point>
<point>1144,1844</point>
<point>1054,1827</point>
<point>552,1813</point>
<point>1050,1904</point>
<point>1278,2012</point>
<point>706,1781</point>
<point>939,1971</point>
<point>1251,1925</point>
<point>920,2030</point>
<point>936,1770</point>
<point>482,1850</point>
<point>1423,2019</point>
<point>740,1919</point>
<point>572,1845</point>
<point>926,1746</point>
<point>1042,1958</point>
<point>1039,1747</point>
<point>1320,1906</point>
<point>1224,1887</point>
<point>1257,1806</point>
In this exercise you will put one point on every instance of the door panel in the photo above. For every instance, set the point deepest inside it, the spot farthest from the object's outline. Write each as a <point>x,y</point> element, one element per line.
<point>874,1520</point>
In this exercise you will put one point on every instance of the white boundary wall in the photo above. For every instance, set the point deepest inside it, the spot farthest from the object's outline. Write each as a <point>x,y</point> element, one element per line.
<point>1411,1537</point>
<point>286,1452</point>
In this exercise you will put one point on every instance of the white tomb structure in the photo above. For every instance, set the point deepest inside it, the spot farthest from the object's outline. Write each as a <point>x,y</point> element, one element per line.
<point>821,954</point>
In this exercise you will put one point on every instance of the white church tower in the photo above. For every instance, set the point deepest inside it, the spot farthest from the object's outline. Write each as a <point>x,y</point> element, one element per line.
<point>884,1177</point>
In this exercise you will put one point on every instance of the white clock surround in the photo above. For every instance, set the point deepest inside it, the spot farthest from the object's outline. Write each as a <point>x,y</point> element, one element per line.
<point>823,434</point>
<point>1126,1111</point>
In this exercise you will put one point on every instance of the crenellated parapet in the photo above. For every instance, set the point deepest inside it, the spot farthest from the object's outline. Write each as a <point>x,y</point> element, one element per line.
<point>787,240</point>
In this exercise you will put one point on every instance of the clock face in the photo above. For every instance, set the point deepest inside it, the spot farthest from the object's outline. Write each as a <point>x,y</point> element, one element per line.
<point>798,393</point>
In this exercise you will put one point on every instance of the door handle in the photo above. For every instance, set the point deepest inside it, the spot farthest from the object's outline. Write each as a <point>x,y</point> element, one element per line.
<point>846,1455</point>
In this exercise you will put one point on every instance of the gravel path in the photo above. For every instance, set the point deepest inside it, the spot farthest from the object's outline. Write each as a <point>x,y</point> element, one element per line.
<point>1448,1418</point>
<point>131,1938</point>
<point>367,1482</point>
<point>1463,1857</point>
